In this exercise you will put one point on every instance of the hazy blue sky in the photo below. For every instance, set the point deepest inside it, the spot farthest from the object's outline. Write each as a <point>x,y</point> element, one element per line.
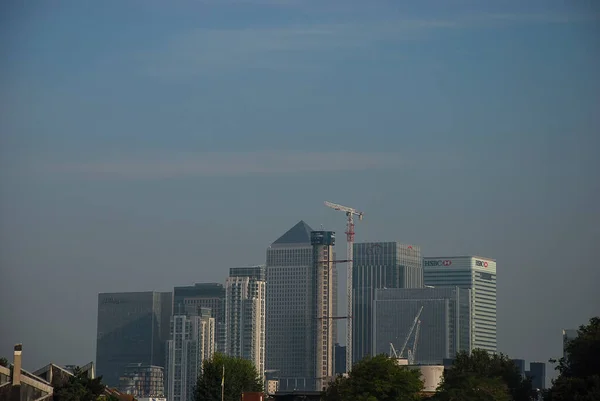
<point>147,144</point>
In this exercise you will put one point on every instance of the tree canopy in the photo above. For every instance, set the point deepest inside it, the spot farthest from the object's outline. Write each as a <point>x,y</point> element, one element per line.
<point>3,362</point>
<point>484,376</point>
<point>579,369</point>
<point>468,387</point>
<point>79,387</point>
<point>240,376</point>
<point>376,378</point>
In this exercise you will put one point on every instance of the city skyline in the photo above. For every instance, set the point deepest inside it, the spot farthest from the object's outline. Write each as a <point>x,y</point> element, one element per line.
<point>212,286</point>
<point>147,146</point>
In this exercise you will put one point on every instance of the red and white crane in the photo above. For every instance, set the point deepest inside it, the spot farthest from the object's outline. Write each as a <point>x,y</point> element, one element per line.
<point>350,213</point>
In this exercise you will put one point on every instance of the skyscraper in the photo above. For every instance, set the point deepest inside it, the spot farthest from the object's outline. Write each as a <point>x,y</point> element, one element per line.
<point>568,335</point>
<point>245,315</point>
<point>132,329</point>
<point>379,265</point>
<point>537,373</point>
<point>192,341</point>
<point>444,327</point>
<point>325,334</point>
<point>206,295</point>
<point>290,309</point>
<point>477,274</point>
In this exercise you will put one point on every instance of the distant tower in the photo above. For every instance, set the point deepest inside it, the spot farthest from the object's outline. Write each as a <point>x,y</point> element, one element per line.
<point>477,274</point>
<point>245,315</point>
<point>290,309</point>
<point>206,295</point>
<point>379,265</point>
<point>132,328</point>
<point>192,341</point>
<point>324,275</point>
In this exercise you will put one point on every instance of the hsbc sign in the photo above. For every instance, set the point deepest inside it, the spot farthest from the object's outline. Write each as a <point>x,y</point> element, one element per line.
<point>481,263</point>
<point>434,263</point>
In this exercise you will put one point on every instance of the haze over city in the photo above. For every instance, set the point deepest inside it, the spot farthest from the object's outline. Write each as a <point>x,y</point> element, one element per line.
<point>146,145</point>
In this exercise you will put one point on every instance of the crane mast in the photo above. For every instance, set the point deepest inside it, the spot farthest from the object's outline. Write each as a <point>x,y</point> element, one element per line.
<point>410,331</point>
<point>350,213</point>
<point>412,353</point>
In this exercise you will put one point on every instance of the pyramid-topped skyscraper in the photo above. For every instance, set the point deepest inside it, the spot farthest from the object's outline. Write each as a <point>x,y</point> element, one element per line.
<point>299,234</point>
<point>291,316</point>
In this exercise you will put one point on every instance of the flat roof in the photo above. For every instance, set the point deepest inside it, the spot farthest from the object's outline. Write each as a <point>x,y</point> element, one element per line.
<point>461,256</point>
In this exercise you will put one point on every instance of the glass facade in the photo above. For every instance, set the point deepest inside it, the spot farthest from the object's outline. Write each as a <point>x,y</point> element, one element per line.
<point>537,373</point>
<point>379,265</point>
<point>132,329</point>
<point>290,298</point>
<point>444,322</point>
<point>477,274</point>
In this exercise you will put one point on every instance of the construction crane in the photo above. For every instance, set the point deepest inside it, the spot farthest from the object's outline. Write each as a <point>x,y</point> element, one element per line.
<point>393,351</point>
<point>412,328</point>
<point>412,353</point>
<point>350,213</point>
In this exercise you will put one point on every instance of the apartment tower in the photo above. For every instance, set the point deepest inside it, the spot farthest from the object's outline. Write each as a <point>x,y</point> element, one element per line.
<point>205,295</point>
<point>245,308</point>
<point>192,341</point>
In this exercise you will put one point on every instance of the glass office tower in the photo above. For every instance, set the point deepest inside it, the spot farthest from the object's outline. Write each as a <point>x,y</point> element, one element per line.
<point>379,265</point>
<point>444,322</point>
<point>290,309</point>
<point>477,274</point>
<point>132,329</point>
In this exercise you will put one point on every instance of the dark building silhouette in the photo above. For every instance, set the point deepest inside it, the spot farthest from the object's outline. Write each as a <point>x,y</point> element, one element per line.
<point>520,363</point>
<point>132,328</point>
<point>340,359</point>
<point>537,373</point>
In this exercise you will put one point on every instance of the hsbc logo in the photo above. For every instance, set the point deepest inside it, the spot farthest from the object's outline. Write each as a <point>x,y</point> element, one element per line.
<point>434,263</point>
<point>481,263</point>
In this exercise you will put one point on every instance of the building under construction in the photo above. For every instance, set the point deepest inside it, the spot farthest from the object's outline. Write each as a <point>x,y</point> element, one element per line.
<point>325,305</point>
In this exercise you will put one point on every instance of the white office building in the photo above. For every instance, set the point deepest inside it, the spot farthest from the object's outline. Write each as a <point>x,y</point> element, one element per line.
<point>477,274</point>
<point>245,315</point>
<point>192,341</point>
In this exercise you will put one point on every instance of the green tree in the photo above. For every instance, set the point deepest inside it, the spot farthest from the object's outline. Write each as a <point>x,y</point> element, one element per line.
<point>79,387</point>
<point>240,376</point>
<point>4,362</point>
<point>482,370</point>
<point>376,378</point>
<point>579,369</point>
<point>470,387</point>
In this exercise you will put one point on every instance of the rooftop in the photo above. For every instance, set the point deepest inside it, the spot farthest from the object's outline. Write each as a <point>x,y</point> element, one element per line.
<point>299,234</point>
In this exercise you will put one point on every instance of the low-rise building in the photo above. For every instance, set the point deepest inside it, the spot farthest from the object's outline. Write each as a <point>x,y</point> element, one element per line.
<point>143,381</point>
